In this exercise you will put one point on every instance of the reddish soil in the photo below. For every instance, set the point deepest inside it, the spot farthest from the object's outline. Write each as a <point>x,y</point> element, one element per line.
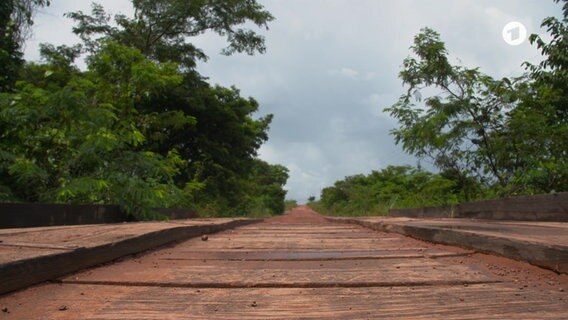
<point>299,215</point>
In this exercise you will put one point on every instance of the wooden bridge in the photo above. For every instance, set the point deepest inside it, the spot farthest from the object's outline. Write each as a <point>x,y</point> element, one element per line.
<point>297,266</point>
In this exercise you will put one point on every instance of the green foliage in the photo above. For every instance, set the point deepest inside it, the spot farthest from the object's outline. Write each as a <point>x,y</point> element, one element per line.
<point>10,56</point>
<point>79,139</point>
<point>160,28</point>
<point>541,121</point>
<point>140,128</point>
<point>508,134</point>
<point>259,194</point>
<point>460,129</point>
<point>15,20</point>
<point>392,187</point>
<point>267,183</point>
<point>221,147</point>
<point>488,137</point>
<point>290,204</point>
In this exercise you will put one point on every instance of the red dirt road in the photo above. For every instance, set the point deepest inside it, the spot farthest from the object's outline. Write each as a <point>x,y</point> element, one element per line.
<point>299,266</point>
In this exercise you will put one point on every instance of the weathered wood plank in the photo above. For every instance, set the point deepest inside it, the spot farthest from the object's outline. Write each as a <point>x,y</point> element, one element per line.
<point>494,301</point>
<point>37,266</point>
<point>542,245</point>
<point>305,273</point>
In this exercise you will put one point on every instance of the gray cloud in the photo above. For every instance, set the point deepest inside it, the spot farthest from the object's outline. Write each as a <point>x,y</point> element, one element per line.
<point>332,66</point>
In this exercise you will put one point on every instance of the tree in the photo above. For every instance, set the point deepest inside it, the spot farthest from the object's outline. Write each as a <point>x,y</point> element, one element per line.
<point>159,29</point>
<point>140,128</point>
<point>539,125</point>
<point>221,147</point>
<point>267,182</point>
<point>457,129</point>
<point>509,134</point>
<point>15,21</point>
<point>79,138</point>
<point>392,187</point>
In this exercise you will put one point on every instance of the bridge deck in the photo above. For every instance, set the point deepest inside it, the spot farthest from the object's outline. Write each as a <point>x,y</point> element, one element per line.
<point>300,266</point>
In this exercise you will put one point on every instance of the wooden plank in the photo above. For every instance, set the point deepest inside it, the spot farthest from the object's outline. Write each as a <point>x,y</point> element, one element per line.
<point>23,272</point>
<point>314,255</point>
<point>544,246</point>
<point>304,273</point>
<point>100,302</point>
<point>9,253</point>
<point>93,235</point>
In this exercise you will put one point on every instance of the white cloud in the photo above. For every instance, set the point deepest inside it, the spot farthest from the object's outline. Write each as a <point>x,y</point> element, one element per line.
<point>348,72</point>
<point>370,76</point>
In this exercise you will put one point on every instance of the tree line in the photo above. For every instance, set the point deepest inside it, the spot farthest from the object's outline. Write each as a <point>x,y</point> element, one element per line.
<point>140,127</point>
<point>487,137</point>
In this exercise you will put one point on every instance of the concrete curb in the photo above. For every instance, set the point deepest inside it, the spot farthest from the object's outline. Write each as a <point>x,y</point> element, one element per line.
<point>549,256</point>
<point>23,273</point>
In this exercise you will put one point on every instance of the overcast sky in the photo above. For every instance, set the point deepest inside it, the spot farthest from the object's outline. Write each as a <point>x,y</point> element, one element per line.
<point>331,68</point>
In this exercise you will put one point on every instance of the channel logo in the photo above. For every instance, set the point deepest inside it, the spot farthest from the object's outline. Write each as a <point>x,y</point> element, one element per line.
<point>514,33</point>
